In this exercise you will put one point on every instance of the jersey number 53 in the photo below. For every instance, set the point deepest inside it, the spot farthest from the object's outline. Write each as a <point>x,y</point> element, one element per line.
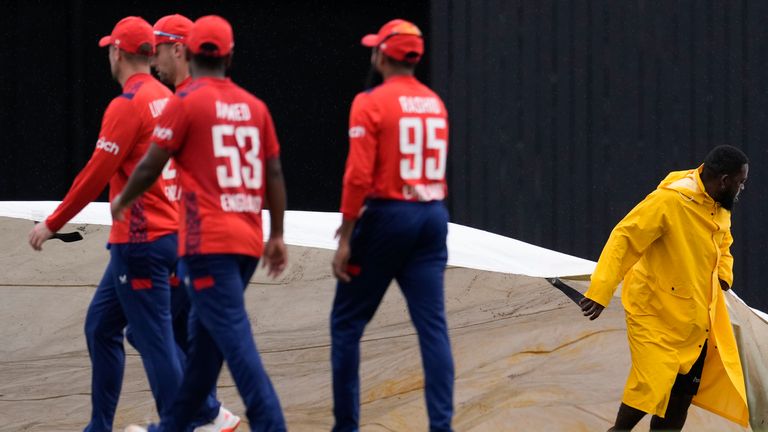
<point>238,173</point>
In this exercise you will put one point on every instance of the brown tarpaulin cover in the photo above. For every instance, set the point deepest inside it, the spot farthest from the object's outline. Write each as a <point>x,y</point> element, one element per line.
<point>525,357</point>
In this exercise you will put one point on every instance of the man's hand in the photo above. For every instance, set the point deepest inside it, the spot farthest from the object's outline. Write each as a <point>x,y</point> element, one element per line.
<point>143,176</point>
<point>591,308</point>
<point>340,262</point>
<point>117,208</point>
<point>275,257</point>
<point>341,259</point>
<point>39,234</point>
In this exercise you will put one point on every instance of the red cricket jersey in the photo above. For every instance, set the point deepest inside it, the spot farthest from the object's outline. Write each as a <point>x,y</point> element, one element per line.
<point>170,175</point>
<point>398,145</point>
<point>221,137</point>
<point>126,131</point>
<point>183,84</point>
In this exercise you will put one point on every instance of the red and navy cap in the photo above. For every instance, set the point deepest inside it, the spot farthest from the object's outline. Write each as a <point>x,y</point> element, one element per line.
<point>129,34</point>
<point>399,39</point>
<point>172,28</point>
<point>211,30</point>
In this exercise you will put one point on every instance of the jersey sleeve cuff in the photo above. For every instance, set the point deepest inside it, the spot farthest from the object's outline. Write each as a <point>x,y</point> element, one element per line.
<point>53,224</point>
<point>349,216</point>
<point>352,201</point>
<point>165,146</point>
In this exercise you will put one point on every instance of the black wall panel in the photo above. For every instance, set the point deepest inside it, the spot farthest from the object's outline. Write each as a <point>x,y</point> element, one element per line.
<point>566,113</point>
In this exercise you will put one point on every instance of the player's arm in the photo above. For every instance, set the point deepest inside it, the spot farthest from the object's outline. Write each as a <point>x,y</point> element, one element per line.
<point>358,176</point>
<point>626,244</point>
<point>167,138</point>
<point>142,178</point>
<point>276,195</point>
<point>275,256</point>
<point>116,139</point>
<point>361,160</point>
<point>725,266</point>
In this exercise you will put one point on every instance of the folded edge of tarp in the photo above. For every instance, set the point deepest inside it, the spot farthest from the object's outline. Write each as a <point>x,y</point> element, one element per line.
<point>467,247</point>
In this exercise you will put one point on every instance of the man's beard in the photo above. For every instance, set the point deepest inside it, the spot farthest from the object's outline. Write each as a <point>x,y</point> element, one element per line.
<point>373,78</point>
<point>163,78</point>
<point>727,201</point>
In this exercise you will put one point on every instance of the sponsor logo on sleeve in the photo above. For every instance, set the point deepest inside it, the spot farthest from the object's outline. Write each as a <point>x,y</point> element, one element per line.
<point>107,146</point>
<point>356,132</point>
<point>163,134</point>
<point>157,106</point>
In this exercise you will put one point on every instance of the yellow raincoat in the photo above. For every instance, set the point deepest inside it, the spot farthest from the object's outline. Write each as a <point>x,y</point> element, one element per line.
<point>671,250</point>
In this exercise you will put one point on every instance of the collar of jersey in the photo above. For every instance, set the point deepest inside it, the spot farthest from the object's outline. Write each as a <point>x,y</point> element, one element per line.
<point>401,78</point>
<point>133,78</point>
<point>213,79</point>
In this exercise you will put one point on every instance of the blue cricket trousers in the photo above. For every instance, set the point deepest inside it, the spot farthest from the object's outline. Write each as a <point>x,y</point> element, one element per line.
<point>219,330</point>
<point>180,308</point>
<point>180,321</point>
<point>180,312</point>
<point>134,290</point>
<point>405,241</point>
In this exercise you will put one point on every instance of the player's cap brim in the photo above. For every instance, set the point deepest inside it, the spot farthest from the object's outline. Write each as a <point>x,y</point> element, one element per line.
<point>106,40</point>
<point>370,40</point>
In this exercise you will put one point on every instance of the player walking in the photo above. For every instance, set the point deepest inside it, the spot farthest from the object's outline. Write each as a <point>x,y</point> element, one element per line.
<point>171,66</point>
<point>394,223</point>
<point>142,247</point>
<point>227,154</point>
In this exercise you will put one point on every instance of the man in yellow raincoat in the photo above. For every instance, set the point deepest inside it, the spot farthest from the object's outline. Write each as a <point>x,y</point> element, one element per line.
<point>672,251</point>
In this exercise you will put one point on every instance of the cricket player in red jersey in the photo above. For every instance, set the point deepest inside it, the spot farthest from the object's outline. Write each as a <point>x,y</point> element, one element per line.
<point>134,289</point>
<point>172,68</point>
<point>394,223</point>
<point>170,60</point>
<point>227,156</point>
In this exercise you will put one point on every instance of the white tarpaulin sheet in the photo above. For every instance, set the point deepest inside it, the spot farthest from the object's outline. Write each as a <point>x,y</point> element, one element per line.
<point>467,247</point>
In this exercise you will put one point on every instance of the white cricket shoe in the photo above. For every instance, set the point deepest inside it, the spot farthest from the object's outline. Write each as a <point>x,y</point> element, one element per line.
<point>135,428</point>
<point>224,422</point>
